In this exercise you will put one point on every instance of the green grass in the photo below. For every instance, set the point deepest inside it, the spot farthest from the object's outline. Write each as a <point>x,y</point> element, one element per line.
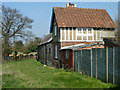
<point>32,74</point>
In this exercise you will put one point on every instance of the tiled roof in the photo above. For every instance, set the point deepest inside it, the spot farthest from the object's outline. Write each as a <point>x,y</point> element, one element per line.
<point>81,17</point>
<point>46,39</point>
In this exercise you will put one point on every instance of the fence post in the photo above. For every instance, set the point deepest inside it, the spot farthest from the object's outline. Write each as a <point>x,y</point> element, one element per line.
<point>73,61</point>
<point>96,63</point>
<point>113,65</point>
<point>107,64</point>
<point>78,60</point>
<point>81,61</point>
<point>91,62</point>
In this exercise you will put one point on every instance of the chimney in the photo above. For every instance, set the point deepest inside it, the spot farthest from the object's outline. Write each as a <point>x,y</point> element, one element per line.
<point>71,5</point>
<point>67,5</point>
<point>75,5</point>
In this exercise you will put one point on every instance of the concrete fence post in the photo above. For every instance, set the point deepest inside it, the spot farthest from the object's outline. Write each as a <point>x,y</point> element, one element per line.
<point>107,64</point>
<point>91,63</point>
<point>81,61</point>
<point>73,60</point>
<point>78,60</point>
<point>96,63</point>
<point>113,65</point>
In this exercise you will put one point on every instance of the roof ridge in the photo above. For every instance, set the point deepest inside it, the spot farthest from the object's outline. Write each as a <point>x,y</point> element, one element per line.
<point>81,8</point>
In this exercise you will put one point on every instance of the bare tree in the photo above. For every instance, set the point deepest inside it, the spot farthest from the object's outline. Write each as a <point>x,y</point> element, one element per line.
<point>117,33</point>
<point>13,24</point>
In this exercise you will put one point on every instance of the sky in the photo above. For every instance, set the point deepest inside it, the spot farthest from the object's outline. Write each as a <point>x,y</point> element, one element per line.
<point>41,12</point>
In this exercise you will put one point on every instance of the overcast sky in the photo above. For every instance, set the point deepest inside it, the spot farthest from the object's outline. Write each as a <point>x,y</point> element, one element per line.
<point>41,12</point>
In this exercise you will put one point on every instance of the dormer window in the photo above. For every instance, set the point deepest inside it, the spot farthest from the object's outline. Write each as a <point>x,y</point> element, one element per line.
<point>55,33</point>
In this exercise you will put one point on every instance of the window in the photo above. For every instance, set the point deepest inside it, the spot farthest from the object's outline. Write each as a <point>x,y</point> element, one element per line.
<point>49,52</point>
<point>56,51</point>
<point>79,31</point>
<point>84,37</point>
<point>67,54</point>
<point>44,51</point>
<point>84,31</point>
<point>89,31</point>
<point>55,33</point>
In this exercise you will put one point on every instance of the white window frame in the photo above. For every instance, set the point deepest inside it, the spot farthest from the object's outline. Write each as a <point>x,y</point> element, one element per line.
<point>56,52</point>
<point>89,30</point>
<point>55,30</point>
<point>79,31</point>
<point>84,29</point>
<point>64,33</point>
<point>72,34</point>
<point>83,34</point>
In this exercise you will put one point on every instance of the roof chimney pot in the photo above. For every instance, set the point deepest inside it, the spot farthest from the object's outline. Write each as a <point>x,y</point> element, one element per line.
<point>71,5</point>
<point>75,5</point>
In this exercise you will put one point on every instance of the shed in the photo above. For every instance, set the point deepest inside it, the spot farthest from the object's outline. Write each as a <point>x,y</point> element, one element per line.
<point>67,53</point>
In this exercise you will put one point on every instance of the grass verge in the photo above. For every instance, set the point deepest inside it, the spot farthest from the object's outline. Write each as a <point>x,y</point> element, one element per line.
<point>32,74</point>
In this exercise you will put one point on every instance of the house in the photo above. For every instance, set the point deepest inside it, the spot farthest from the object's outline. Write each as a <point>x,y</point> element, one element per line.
<point>13,54</point>
<point>45,50</point>
<point>70,26</point>
<point>32,55</point>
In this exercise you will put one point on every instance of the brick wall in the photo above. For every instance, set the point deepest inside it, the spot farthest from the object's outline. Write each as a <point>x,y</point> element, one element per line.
<point>67,63</point>
<point>55,61</point>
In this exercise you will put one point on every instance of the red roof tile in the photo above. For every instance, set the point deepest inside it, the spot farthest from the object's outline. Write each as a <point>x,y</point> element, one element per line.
<point>81,17</point>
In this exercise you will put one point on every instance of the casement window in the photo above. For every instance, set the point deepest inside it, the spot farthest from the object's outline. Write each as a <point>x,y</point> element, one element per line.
<point>56,51</point>
<point>49,51</point>
<point>46,54</point>
<point>44,51</point>
<point>89,31</point>
<point>79,31</point>
<point>84,34</point>
<point>55,30</point>
<point>84,31</point>
<point>67,54</point>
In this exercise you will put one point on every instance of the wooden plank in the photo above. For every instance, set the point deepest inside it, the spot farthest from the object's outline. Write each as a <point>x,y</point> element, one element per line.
<point>113,65</point>
<point>106,64</point>
<point>91,63</point>
<point>96,63</point>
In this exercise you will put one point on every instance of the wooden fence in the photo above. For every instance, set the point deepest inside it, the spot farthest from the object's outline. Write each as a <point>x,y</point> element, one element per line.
<point>103,64</point>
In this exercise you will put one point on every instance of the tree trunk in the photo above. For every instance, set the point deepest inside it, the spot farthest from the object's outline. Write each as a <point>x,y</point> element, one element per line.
<point>6,48</point>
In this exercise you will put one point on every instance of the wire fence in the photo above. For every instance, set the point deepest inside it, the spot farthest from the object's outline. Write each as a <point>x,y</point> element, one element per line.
<point>103,64</point>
